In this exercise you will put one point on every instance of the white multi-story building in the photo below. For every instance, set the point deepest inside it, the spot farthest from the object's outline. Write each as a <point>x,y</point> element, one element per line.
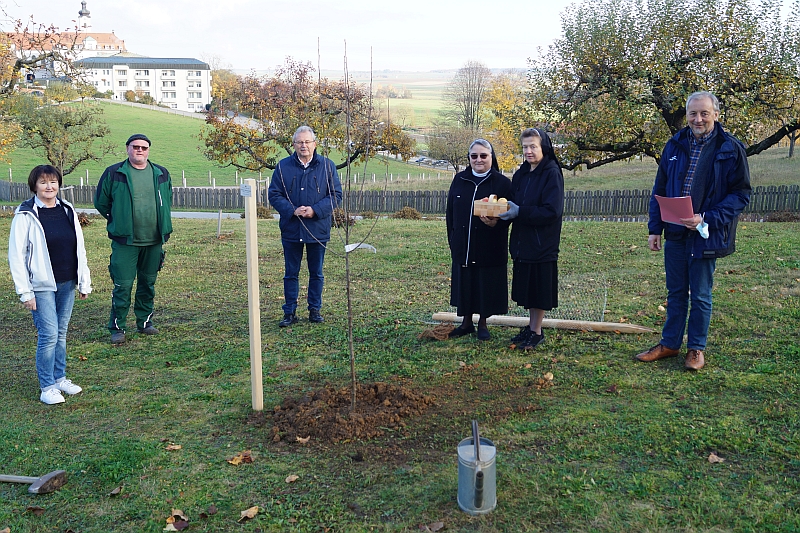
<point>180,83</point>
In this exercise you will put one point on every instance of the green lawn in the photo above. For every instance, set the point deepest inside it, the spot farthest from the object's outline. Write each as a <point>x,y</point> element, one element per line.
<point>611,446</point>
<point>175,145</point>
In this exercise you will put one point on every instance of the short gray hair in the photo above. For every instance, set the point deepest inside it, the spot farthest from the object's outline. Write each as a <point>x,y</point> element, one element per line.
<point>483,142</point>
<point>527,133</point>
<point>304,129</point>
<point>703,94</point>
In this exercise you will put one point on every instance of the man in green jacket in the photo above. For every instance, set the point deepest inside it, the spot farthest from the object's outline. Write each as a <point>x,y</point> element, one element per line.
<point>135,197</point>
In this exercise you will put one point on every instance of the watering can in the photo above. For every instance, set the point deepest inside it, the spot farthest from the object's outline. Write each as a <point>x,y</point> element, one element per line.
<point>476,474</point>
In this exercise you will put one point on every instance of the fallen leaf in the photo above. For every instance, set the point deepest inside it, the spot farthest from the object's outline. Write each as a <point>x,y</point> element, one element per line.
<point>612,389</point>
<point>633,247</point>
<point>241,457</point>
<point>292,478</point>
<point>173,447</point>
<point>548,376</point>
<point>169,527</point>
<point>6,530</point>
<point>714,458</point>
<point>436,526</point>
<point>35,509</point>
<point>527,365</point>
<point>116,491</point>
<point>180,525</point>
<point>462,364</point>
<point>661,308</point>
<point>303,440</point>
<point>249,513</point>
<point>80,358</point>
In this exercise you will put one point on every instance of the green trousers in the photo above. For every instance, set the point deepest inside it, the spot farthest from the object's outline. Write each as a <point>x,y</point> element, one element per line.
<point>129,263</point>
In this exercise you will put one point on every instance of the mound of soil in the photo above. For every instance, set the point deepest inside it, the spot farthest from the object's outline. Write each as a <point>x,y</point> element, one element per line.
<point>325,414</point>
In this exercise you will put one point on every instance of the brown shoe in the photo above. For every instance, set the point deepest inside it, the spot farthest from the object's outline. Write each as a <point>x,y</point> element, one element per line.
<point>659,351</point>
<point>695,360</point>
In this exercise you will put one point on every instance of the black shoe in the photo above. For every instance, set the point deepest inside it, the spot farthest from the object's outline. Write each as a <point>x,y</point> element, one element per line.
<point>522,336</point>
<point>483,334</point>
<point>532,342</point>
<point>314,316</point>
<point>117,337</point>
<point>149,329</point>
<point>461,330</point>
<point>288,320</point>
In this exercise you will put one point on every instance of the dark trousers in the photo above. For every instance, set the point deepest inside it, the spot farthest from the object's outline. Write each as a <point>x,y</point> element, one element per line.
<point>293,255</point>
<point>129,263</point>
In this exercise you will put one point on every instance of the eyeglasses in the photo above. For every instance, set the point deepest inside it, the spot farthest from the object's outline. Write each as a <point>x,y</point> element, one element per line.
<point>477,156</point>
<point>302,143</point>
<point>139,147</point>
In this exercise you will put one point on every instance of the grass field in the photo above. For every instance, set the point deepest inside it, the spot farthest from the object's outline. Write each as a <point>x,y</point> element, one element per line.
<point>607,446</point>
<point>175,145</point>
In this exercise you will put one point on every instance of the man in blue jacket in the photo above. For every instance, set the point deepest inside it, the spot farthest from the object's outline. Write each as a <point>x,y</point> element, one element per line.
<point>709,165</point>
<point>305,189</point>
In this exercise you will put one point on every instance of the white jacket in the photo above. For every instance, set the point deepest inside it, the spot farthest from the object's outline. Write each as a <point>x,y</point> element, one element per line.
<point>28,256</point>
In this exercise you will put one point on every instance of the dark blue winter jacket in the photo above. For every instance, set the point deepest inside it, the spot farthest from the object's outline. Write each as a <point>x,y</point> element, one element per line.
<point>727,192</point>
<point>317,186</point>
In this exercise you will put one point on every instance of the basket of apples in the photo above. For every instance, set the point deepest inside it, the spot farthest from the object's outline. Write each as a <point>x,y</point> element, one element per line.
<point>490,207</point>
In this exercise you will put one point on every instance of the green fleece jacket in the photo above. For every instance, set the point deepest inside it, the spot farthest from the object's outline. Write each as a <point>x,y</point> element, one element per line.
<point>114,200</point>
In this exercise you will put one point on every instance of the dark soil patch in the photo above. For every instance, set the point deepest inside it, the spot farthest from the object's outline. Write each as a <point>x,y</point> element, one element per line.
<point>325,416</point>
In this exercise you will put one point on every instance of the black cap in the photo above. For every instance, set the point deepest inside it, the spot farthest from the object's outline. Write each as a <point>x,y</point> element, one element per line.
<point>138,137</point>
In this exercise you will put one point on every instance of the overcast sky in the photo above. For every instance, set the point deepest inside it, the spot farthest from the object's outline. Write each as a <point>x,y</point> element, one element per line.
<point>410,35</point>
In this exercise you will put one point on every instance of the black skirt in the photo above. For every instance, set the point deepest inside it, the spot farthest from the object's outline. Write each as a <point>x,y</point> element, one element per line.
<point>535,285</point>
<point>481,290</point>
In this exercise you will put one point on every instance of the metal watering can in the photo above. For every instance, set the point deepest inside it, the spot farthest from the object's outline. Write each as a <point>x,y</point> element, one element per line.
<point>477,477</point>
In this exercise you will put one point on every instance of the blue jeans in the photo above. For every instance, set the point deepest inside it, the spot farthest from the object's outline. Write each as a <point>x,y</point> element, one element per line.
<point>51,318</point>
<point>687,279</point>
<point>293,255</point>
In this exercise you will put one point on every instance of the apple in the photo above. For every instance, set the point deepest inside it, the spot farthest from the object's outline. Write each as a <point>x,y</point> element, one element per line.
<point>502,201</point>
<point>484,200</point>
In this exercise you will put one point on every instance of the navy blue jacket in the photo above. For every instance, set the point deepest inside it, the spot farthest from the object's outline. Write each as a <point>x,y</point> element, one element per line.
<point>536,232</point>
<point>471,241</point>
<point>727,192</point>
<point>317,186</point>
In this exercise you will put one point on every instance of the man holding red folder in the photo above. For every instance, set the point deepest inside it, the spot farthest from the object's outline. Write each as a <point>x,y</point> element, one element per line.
<point>707,164</point>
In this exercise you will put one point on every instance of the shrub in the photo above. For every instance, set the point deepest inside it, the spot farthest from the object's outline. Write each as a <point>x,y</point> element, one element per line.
<point>339,218</point>
<point>263,212</point>
<point>782,216</point>
<point>369,215</point>
<point>408,213</point>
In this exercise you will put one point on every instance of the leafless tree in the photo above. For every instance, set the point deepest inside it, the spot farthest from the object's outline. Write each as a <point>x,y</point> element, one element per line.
<point>465,94</point>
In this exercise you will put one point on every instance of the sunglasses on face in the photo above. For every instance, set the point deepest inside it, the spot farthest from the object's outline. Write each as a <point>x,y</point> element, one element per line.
<point>479,156</point>
<point>139,147</point>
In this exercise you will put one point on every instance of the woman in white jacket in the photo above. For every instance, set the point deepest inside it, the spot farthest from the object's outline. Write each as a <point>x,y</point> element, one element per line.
<point>48,261</point>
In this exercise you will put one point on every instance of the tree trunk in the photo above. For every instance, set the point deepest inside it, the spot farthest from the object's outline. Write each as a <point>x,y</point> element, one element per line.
<point>792,138</point>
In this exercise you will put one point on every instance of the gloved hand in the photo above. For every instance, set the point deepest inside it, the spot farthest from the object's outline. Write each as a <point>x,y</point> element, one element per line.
<point>512,213</point>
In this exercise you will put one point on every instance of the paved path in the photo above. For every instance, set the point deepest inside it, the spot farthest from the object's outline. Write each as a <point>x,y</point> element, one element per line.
<point>178,214</point>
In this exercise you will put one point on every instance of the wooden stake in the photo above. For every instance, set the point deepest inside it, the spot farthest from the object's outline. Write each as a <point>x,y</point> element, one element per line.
<point>522,321</point>
<point>248,190</point>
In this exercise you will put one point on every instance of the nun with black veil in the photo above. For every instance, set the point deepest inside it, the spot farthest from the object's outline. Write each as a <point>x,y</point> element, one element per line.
<point>478,245</point>
<point>536,212</point>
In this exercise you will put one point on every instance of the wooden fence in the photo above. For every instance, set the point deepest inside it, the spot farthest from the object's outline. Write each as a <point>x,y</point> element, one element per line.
<point>576,203</point>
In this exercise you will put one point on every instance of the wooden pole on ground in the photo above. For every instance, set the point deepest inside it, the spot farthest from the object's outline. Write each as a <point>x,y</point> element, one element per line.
<point>248,191</point>
<point>522,321</point>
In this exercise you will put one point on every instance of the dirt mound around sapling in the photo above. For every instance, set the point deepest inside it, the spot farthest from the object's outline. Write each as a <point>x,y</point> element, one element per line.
<point>324,415</point>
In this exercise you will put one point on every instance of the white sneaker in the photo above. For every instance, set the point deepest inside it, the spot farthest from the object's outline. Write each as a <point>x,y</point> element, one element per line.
<point>51,397</point>
<point>68,386</point>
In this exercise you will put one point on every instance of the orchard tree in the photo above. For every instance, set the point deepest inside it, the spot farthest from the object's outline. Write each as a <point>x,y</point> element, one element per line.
<point>465,94</point>
<point>450,144</point>
<point>615,84</point>
<point>508,116</point>
<point>67,135</point>
<point>257,134</point>
<point>26,46</point>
